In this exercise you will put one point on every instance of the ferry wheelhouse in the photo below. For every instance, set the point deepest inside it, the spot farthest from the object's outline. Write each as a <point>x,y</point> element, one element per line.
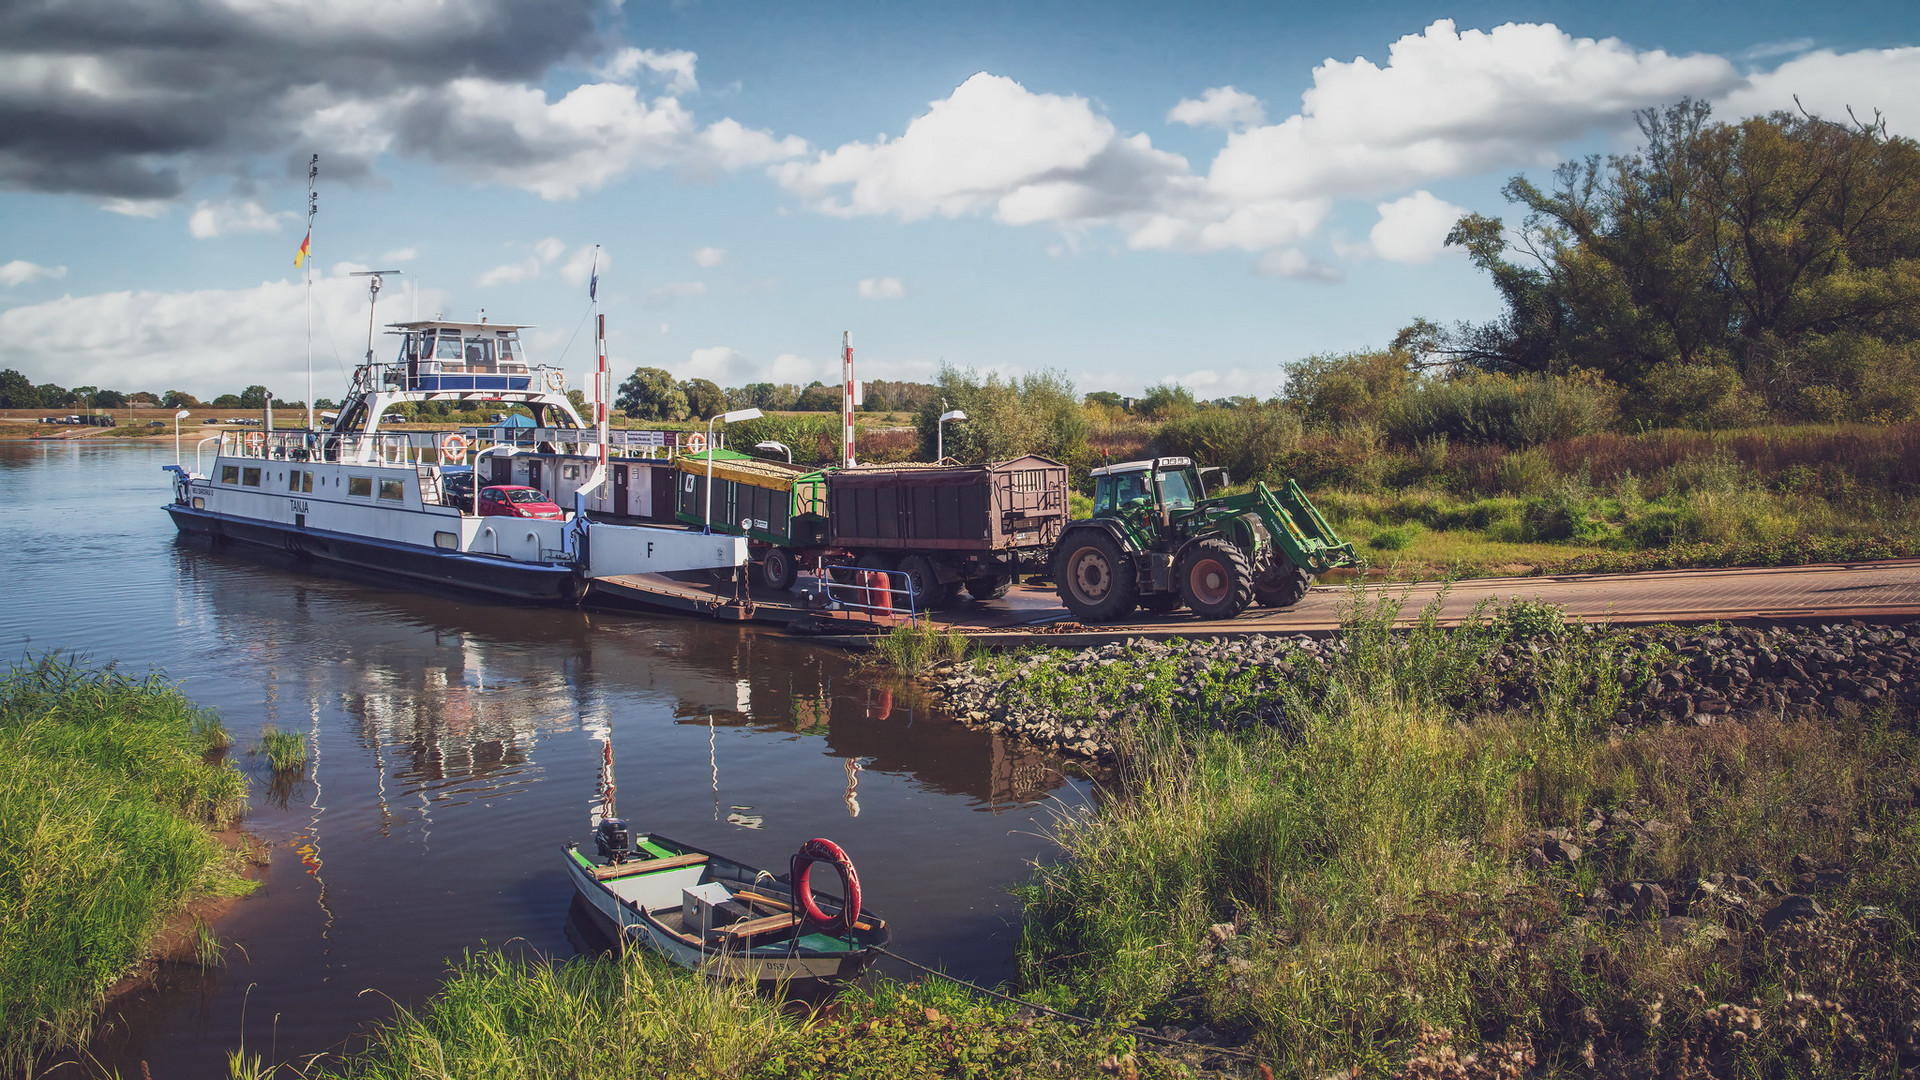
<point>407,503</point>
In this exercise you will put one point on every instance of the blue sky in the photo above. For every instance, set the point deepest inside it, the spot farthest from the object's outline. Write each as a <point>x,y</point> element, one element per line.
<point>1128,193</point>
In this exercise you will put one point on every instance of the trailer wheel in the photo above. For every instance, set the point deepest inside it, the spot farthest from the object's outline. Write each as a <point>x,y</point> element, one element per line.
<point>1215,580</point>
<point>989,586</point>
<point>1094,578</point>
<point>1284,586</point>
<point>918,570</point>
<point>778,570</point>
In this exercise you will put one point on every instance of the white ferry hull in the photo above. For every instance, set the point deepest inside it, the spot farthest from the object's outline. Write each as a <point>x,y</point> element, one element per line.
<point>540,583</point>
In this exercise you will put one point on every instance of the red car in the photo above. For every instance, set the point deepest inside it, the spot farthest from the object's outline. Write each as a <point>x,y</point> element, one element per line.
<point>515,500</point>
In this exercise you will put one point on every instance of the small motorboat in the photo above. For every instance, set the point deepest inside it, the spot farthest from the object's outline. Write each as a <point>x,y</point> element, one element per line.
<point>708,913</point>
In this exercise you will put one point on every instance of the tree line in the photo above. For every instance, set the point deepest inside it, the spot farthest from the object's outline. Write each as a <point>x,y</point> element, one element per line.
<point>652,393</point>
<point>19,392</point>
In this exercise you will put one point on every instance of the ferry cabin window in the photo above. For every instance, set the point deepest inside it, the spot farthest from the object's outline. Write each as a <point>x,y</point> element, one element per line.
<point>360,485</point>
<point>393,489</point>
<point>250,478</point>
<point>447,345</point>
<point>504,342</point>
<point>479,351</point>
<point>300,480</point>
<point>229,474</point>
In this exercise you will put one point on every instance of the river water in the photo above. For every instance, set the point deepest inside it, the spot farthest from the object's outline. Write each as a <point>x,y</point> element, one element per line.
<point>455,745</point>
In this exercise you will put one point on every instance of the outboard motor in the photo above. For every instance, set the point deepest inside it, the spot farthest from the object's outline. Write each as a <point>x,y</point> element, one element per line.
<point>613,840</point>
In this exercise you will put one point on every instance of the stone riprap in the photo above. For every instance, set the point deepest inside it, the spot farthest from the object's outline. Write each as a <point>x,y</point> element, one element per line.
<point>1690,676</point>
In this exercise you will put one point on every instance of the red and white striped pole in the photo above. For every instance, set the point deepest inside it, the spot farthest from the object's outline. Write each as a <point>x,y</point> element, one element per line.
<point>846,398</point>
<point>600,395</point>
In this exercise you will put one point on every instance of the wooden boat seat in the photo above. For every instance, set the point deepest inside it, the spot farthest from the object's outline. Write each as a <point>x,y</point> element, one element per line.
<point>648,866</point>
<point>752,928</point>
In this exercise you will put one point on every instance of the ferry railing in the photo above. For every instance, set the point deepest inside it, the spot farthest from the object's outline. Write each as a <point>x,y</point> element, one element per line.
<point>856,593</point>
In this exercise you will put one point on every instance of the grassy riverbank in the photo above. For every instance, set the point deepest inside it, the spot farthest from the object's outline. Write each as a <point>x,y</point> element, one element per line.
<point>109,786</point>
<point>1384,874</point>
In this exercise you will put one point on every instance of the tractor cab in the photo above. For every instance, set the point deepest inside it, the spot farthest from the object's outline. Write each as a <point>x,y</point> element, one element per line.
<point>1168,483</point>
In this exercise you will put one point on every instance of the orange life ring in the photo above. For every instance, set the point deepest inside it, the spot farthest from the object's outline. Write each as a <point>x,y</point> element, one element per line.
<point>696,442</point>
<point>256,441</point>
<point>819,850</point>
<point>453,448</point>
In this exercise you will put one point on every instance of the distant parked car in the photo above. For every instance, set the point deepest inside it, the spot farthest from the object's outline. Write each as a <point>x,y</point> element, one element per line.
<point>211,420</point>
<point>457,489</point>
<point>515,500</point>
<point>156,423</point>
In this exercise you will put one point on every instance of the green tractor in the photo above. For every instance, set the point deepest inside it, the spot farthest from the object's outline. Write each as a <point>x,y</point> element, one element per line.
<point>1157,541</point>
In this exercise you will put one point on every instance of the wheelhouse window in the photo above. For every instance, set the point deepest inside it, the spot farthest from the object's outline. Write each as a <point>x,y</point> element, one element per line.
<point>229,474</point>
<point>393,489</point>
<point>446,345</point>
<point>360,485</point>
<point>250,478</point>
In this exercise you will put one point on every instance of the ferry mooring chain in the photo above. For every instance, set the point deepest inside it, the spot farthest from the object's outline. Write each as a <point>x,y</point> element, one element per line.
<point>1082,1020</point>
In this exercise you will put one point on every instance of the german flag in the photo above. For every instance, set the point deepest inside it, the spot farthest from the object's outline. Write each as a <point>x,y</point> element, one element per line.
<point>306,247</point>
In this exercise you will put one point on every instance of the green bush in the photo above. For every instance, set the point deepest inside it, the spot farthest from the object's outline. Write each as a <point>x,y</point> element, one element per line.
<point>1250,443</point>
<point>1483,409</point>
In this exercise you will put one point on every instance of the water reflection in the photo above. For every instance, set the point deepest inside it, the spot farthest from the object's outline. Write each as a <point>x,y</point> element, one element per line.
<point>451,742</point>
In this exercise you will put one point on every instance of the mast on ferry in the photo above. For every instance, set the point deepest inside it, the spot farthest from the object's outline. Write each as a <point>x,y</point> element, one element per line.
<point>306,256</point>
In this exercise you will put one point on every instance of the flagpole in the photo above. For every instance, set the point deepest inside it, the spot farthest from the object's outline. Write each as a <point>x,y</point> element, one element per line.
<point>313,207</point>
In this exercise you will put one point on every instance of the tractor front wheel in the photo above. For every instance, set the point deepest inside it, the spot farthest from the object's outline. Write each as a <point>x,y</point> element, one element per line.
<point>1284,586</point>
<point>1215,579</point>
<point>1094,576</point>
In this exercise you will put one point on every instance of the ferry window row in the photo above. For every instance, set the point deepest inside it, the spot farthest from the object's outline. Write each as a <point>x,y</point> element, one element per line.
<point>234,474</point>
<point>455,352</point>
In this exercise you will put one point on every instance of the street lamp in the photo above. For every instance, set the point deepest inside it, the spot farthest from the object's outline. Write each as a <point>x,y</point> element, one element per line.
<point>177,417</point>
<point>723,418</point>
<point>771,446</point>
<point>940,432</point>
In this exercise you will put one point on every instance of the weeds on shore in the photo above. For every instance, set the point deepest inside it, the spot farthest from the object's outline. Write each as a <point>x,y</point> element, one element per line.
<point>1353,888</point>
<point>911,649</point>
<point>633,1017</point>
<point>108,786</point>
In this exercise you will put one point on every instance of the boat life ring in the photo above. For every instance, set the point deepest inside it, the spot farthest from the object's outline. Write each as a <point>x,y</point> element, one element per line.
<point>256,441</point>
<point>453,448</point>
<point>556,380</point>
<point>696,442</point>
<point>818,850</point>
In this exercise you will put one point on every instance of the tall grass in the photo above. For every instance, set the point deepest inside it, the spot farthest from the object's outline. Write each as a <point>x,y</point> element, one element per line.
<point>1339,888</point>
<point>108,786</point>
<point>918,647</point>
<point>500,1018</point>
<point>286,751</point>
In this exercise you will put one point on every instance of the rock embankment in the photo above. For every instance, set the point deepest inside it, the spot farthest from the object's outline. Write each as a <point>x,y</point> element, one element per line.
<point>1674,676</point>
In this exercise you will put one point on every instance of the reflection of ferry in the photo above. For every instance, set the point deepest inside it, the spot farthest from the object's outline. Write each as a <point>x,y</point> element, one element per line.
<point>390,501</point>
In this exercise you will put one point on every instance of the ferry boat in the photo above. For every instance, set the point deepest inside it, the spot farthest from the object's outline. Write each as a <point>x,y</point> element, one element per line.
<point>369,499</point>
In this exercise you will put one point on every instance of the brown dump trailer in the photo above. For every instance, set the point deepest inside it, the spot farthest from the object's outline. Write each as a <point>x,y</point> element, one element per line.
<point>946,527</point>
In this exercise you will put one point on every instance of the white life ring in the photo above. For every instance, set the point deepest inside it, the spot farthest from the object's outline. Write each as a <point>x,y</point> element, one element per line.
<point>696,442</point>
<point>453,449</point>
<point>556,380</point>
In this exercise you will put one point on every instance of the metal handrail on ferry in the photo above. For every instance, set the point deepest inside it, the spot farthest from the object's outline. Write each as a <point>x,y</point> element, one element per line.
<point>850,595</point>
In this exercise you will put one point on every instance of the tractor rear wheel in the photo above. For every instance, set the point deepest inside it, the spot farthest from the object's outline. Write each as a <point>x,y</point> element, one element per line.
<point>1094,576</point>
<point>1215,579</point>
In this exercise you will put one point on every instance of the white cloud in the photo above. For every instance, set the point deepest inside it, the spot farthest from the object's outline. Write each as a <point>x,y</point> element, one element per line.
<point>1829,82</point>
<point>676,67</point>
<point>541,255</point>
<point>211,219</point>
<point>580,265</point>
<point>1413,229</point>
<point>405,254</point>
<point>20,271</point>
<point>146,208</point>
<point>886,288</point>
<point>1221,107</point>
<point>207,341</point>
<point>676,290</point>
<point>710,257</point>
<point>1296,265</point>
<point>991,145</point>
<point>1446,103</point>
